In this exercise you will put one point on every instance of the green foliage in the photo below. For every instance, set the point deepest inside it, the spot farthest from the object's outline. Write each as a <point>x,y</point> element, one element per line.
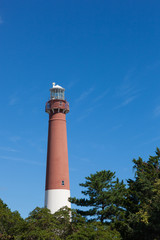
<point>142,202</point>
<point>41,224</point>
<point>64,224</point>
<point>11,223</point>
<point>94,231</point>
<point>105,196</point>
<point>82,229</point>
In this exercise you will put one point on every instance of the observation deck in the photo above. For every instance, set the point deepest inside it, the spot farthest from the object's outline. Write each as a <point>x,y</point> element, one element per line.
<point>57,105</point>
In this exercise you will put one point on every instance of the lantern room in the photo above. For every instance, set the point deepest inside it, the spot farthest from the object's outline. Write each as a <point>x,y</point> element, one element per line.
<point>57,92</point>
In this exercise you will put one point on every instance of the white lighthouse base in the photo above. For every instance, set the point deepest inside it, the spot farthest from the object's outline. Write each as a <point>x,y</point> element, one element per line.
<point>56,199</point>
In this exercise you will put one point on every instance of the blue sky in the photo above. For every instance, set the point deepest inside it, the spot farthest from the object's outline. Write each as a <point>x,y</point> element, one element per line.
<point>106,54</point>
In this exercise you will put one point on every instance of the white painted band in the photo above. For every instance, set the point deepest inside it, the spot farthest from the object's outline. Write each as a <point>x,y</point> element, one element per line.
<point>56,199</point>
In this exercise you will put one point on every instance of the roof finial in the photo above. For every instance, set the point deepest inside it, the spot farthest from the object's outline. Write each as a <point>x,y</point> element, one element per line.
<point>53,84</point>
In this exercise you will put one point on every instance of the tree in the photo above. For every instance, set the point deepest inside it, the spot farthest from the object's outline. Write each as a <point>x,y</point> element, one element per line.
<point>88,230</point>
<point>41,224</point>
<point>65,224</point>
<point>11,223</point>
<point>142,202</point>
<point>94,231</point>
<point>104,197</point>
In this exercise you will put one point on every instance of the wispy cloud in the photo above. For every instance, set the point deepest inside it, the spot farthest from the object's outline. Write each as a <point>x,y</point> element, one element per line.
<point>81,159</point>
<point>94,102</point>
<point>85,94</point>
<point>72,84</point>
<point>73,169</point>
<point>153,66</point>
<point>98,146</point>
<point>127,92</point>
<point>8,149</point>
<point>12,101</point>
<point>3,188</point>
<point>157,111</point>
<point>1,20</point>
<point>88,111</point>
<point>126,102</point>
<point>14,98</point>
<point>15,139</point>
<point>151,141</point>
<point>36,145</point>
<point>116,127</point>
<point>83,116</point>
<point>21,160</point>
<point>101,96</point>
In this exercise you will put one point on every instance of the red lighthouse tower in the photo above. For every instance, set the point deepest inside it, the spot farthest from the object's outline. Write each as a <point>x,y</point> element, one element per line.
<point>57,190</point>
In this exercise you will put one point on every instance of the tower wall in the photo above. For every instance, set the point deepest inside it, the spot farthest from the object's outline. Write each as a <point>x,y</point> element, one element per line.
<point>57,190</point>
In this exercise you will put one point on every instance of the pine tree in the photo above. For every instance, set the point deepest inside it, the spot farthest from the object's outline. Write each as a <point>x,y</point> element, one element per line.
<point>104,197</point>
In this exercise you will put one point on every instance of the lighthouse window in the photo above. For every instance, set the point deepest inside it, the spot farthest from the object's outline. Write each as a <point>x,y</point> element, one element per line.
<point>57,94</point>
<point>63,183</point>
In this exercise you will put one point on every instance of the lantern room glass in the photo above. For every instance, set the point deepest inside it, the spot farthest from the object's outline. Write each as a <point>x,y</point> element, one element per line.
<point>57,93</point>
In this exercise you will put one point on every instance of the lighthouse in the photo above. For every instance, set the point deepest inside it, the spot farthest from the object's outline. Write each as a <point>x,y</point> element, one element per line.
<point>57,190</point>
